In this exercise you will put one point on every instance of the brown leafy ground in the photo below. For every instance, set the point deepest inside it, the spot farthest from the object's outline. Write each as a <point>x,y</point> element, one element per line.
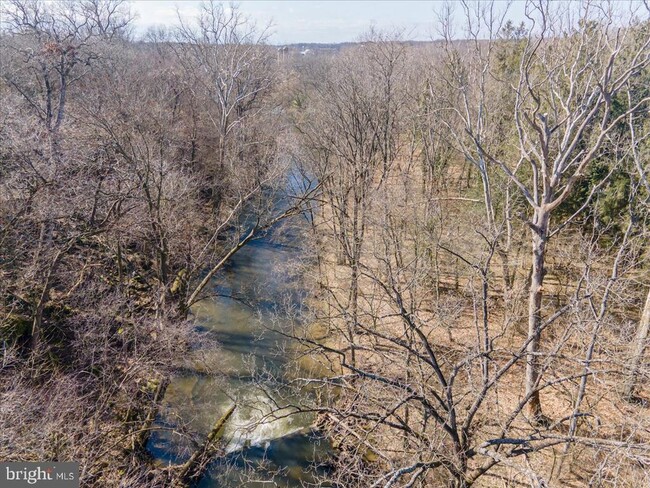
<point>611,446</point>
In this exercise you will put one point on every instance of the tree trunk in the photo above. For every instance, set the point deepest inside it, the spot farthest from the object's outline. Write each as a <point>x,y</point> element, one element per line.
<point>638,346</point>
<point>206,279</point>
<point>37,323</point>
<point>140,441</point>
<point>354,304</point>
<point>193,469</point>
<point>489,214</point>
<point>533,369</point>
<point>505,269</point>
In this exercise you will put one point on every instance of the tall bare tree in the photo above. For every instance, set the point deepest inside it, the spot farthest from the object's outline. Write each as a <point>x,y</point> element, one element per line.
<point>564,112</point>
<point>225,57</point>
<point>352,134</point>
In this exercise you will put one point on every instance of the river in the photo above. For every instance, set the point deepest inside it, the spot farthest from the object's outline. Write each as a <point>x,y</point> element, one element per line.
<point>259,292</point>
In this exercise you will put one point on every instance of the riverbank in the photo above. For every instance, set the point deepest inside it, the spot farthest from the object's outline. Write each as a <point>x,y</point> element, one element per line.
<point>418,341</point>
<point>252,309</point>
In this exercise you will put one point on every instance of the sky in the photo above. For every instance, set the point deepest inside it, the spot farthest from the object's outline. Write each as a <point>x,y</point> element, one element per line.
<point>330,21</point>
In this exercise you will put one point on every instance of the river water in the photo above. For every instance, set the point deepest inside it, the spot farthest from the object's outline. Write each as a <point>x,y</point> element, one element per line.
<point>259,292</point>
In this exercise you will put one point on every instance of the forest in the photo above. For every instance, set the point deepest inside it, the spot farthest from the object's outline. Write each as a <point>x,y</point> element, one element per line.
<point>385,263</point>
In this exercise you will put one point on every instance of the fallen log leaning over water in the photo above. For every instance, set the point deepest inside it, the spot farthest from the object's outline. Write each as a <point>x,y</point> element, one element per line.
<point>161,387</point>
<point>193,469</point>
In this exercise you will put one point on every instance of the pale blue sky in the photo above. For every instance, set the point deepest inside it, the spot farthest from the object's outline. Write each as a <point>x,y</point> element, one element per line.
<point>317,21</point>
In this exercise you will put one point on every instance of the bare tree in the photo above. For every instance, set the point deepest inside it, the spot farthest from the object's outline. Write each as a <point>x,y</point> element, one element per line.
<point>639,346</point>
<point>563,119</point>
<point>55,45</point>
<point>224,56</point>
<point>470,108</point>
<point>639,138</point>
<point>51,48</point>
<point>352,137</point>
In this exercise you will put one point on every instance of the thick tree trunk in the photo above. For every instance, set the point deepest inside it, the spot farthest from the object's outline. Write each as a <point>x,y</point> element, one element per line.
<point>638,347</point>
<point>533,369</point>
